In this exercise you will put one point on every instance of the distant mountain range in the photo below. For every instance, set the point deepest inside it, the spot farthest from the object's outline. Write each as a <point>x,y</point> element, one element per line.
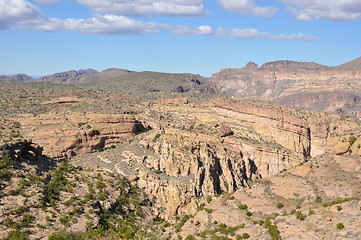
<point>301,84</point>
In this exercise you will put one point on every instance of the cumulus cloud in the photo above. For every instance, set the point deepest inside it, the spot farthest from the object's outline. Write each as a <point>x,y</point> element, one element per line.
<point>101,25</point>
<point>240,34</point>
<point>336,10</point>
<point>247,7</point>
<point>13,11</point>
<point>22,15</point>
<point>146,7</point>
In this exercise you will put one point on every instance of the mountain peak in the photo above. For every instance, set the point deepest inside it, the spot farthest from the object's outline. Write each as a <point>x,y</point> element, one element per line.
<point>351,65</point>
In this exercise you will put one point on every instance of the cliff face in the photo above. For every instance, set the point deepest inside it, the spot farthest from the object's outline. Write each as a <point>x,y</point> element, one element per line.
<point>298,131</point>
<point>191,151</point>
<point>310,85</point>
<point>197,151</point>
<point>74,134</point>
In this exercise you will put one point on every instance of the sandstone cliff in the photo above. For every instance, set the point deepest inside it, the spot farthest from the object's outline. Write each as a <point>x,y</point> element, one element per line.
<point>301,84</point>
<point>67,135</point>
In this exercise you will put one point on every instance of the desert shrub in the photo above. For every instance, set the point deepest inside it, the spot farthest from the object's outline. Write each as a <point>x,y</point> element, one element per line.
<point>209,199</point>
<point>26,220</point>
<point>64,235</point>
<point>245,236</point>
<point>280,205</point>
<point>5,164</point>
<point>16,235</point>
<point>182,222</point>
<point>156,137</point>
<point>339,208</point>
<point>340,226</point>
<point>352,140</point>
<point>274,232</point>
<point>243,207</point>
<point>190,237</point>
<point>249,213</point>
<point>329,204</point>
<point>231,198</point>
<point>300,215</point>
<point>318,199</point>
<point>311,212</point>
<point>58,182</point>
<point>208,210</point>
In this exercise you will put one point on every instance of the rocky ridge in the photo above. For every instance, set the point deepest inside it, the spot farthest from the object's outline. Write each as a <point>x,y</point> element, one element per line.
<point>181,162</point>
<point>300,84</point>
<point>76,134</point>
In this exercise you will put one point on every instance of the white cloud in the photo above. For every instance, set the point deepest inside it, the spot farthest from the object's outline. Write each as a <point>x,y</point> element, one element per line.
<point>20,14</point>
<point>336,10</point>
<point>247,7</point>
<point>299,36</point>
<point>146,7</point>
<point>102,25</point>
<point>48,1</point>
<point>240,34</point>
<point>12,11</point>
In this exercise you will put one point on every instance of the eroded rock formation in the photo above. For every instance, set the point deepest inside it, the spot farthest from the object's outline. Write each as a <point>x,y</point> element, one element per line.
<point>300,84</point>
<point>69,135</point>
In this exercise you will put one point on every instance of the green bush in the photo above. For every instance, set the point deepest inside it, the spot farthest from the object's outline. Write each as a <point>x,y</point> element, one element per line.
<point>190,237</point>
<point>16,235</point>
<point>280,205</point>
<point>243,207</point>
<point>5,164</point>
<point>208,210</point>
<point>182,222</point>
<point>249,214</point>
<point>311,212</point>
<point>352,140</point>
<point>274,232</point>
<point>340,226</point>
<point>245,236</point>
<point>156,137</point>
<point>329,204</point>
<point>300,215</point>
<point>318,199</point>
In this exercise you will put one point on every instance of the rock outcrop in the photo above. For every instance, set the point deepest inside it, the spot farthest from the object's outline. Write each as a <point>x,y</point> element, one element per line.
<point>299,84</point>
<point>69,76</point>
<point>73,134</point>
<point>21,149</point>
<point>232,144</point>
<point>298,131</point>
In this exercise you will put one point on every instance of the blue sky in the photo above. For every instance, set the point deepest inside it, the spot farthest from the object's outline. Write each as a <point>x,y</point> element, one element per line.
<point>40,37</point>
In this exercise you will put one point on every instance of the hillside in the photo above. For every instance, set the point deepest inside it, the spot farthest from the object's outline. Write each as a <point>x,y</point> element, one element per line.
<point>148,155</point>
<point>299,84</point>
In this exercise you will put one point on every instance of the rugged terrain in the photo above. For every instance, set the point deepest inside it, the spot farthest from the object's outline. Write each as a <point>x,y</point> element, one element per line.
<point>302,84</point>
<point>163,156</point>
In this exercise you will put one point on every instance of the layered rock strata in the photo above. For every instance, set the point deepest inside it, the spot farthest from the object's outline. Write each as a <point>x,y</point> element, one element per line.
<point>69,135</point>
<point>300,84</point>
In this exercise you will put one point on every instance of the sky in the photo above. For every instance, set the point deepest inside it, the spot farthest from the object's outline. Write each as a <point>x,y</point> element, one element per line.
<point>41,37</point>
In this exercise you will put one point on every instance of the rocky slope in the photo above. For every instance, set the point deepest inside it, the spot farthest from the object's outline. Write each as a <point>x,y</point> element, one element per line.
<point>39,196</point>
<point>74,134</point>
<point>185,159</point>
<point>197,151</point>
<point>16,77</point>
<point>302,84</point>
<point>69,76</point>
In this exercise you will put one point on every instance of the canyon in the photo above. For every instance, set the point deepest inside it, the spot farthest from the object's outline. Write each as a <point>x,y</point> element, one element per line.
<point>180,152</point>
